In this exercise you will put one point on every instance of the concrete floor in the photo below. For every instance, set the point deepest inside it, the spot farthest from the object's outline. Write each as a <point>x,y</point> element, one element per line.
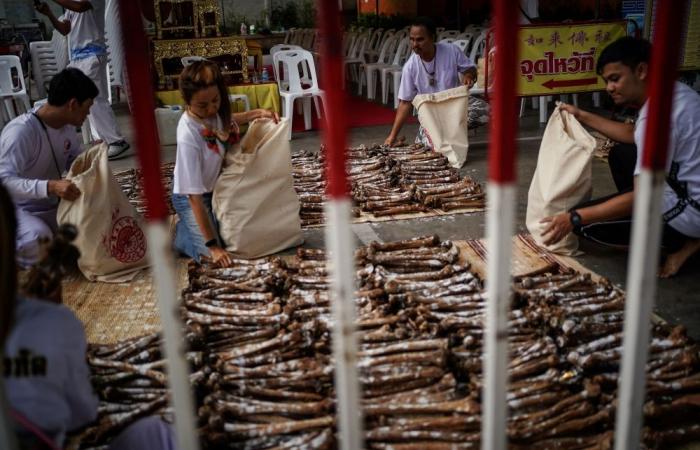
<point>678,299</point>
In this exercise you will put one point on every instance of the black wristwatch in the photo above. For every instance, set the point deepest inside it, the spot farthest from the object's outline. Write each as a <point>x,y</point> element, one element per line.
<point>575,218</point>
<point>210,243</point>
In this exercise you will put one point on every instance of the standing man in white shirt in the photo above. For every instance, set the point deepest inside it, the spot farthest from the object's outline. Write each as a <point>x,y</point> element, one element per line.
<point>85,21</point>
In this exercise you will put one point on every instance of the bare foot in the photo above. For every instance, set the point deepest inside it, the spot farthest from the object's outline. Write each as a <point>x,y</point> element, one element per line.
<point>675,261</point>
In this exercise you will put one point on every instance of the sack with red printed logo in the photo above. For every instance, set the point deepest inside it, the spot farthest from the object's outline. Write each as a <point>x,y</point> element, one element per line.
<point>110,238</point>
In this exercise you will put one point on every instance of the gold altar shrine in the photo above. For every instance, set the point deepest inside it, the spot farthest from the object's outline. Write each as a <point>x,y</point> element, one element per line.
<point>192,28</point>
<point>231,54</point>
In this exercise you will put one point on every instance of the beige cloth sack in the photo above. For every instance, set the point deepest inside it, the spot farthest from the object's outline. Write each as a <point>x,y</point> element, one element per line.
<point>562,178</point>
<point>254,198</point>
<point>110,238</point>
<point>444,117</point>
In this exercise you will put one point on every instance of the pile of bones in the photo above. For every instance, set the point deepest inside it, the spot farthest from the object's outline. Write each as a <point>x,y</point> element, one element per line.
<point>262,365</point>
<point>384,182</point>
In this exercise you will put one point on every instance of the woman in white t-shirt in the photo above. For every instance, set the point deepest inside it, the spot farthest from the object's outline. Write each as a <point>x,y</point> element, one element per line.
<point>204,134</point>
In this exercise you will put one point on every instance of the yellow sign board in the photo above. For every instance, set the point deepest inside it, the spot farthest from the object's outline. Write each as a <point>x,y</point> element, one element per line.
<point>691,50</point>
<point>562,58</point>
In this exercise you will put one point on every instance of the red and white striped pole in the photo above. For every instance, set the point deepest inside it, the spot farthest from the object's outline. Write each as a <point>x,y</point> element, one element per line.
<point>339,238</point>
<point>159,243</point>
<point>646,225</point>
<point>499,230</point>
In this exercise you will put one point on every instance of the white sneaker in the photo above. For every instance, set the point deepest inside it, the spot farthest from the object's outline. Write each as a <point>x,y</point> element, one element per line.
<point>116,149</point>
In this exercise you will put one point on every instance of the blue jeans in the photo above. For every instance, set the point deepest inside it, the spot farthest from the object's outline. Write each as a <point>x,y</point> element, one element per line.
<point>188,237</point>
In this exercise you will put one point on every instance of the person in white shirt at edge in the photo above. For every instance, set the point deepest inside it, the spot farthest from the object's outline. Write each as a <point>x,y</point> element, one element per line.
<point>84,20</point>
<point>204,133</point>
<point>433,67</point>
<point>35,149</point>
<point>46,376</point>
<point>624,65</point>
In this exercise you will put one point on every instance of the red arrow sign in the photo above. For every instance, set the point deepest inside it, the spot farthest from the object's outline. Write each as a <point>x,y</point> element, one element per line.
<point>551,84</point>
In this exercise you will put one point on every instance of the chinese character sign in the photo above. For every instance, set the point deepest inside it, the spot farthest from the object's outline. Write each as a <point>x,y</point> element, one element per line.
<point>562,59</point>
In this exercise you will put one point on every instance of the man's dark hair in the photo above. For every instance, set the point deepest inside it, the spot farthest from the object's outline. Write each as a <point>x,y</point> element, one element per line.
<point>427,23</point>
<point>71,83</point>
<point>626,50</point>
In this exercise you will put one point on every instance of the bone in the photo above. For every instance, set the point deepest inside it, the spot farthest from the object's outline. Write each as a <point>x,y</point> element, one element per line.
<point>465,406</point>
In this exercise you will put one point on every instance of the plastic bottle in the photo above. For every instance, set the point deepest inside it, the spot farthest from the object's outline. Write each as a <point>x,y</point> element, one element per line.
<point>244,29</point>
<point>265,74</point>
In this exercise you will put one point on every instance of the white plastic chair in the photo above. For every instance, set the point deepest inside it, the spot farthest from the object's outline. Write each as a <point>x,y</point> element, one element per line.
<point>44,65</point>
<point>373,43</point>
<point>309,39</point>
<point>9,90</point>
<point>463,44</point>
<point>356,56</point>
<point>48,58</point>
<point>396,83</point>
<point>466,35</point>
<point>187,60</point>
<point>349,39</point>
<point>403,51</point>
<point>280,75</point>
<point>373,54</point>
<point>297,36</point>
<point>478,46</point>
<point>447,40</point>
<point>386,56</point>
<point>282,47</point>
<point>447,34</point>
<point>294,62</point>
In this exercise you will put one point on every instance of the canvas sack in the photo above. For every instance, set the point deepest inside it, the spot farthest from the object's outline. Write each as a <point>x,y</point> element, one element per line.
<point>110,238</point>
<point>254,198</point>
<point>444,117</point>
<point>562,178</point>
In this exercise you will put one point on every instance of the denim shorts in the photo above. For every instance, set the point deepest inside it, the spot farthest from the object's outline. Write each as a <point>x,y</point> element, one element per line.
<point>188,237</point>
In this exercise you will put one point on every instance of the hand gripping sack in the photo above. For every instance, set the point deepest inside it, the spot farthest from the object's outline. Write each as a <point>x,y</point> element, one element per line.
<point>444,117</point>
<point>254,198</point>
<point>562,178</point>
<point>110,238</point>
